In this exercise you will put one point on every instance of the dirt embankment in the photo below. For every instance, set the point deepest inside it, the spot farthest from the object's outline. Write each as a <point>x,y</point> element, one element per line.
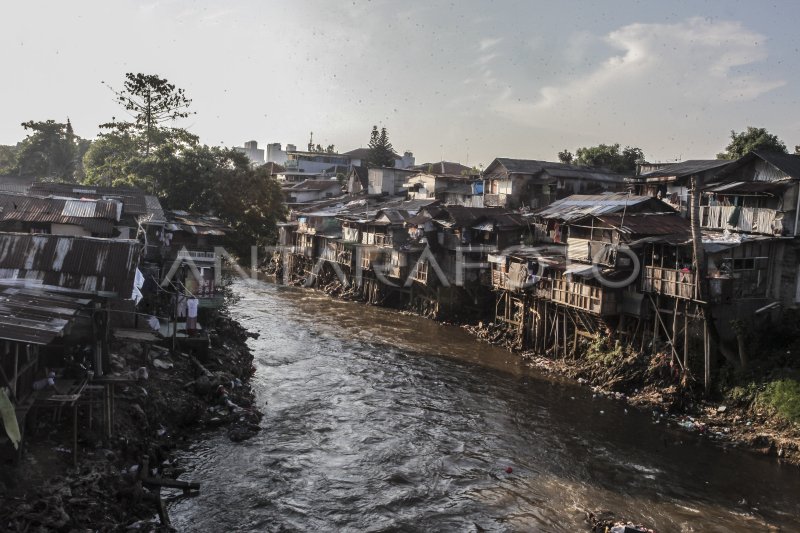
<point>180,397</point>
<point>754,410</point>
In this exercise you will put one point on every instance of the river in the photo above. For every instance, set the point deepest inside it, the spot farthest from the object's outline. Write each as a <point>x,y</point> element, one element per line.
<point>376,421</point>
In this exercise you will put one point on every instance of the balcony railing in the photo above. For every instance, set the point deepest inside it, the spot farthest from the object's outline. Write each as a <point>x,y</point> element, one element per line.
<point>669,282</point>
<point>196,255</point>
<point>377,239</point>
<point>596,300</point>
<point>747,219</point>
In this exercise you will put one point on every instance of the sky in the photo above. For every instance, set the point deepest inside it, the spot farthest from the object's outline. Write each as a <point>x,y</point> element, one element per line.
<point>464,81</point>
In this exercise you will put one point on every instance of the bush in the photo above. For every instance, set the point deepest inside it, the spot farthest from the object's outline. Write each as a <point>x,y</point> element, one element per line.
<point>782,397</point>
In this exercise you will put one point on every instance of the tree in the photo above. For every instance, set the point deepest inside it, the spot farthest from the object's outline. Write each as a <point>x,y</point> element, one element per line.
<point>752,139</point>
<point>8,159</point>
<point>170,163</point>
<point>151,101</point>
<point>144,151</point>
<point>609,157</point>
<point>51,151</point>
<point>381,153</point>
<point>565,156</point>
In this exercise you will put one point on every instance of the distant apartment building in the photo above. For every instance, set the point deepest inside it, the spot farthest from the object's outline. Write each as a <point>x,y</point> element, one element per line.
<point>276,154</point>
<point>253,152</point>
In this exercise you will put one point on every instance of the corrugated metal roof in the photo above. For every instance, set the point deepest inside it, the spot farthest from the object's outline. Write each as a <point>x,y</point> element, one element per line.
<point>35,316</point>
<point>788,163</point>
<point>155,210</point>
<point>580,205</point>
<point>640,224</point>
<point>685,168</point>
<point>133,200</point>
<point>80,263</point>
<point>741,187</point>
<point>96,216</point>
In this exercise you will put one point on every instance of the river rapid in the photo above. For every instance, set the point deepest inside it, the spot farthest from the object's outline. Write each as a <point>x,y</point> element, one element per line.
<point>377,421</point>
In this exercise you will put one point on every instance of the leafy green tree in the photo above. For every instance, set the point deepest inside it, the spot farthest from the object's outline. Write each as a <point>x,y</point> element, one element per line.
<point>752,139</point>
<point>8,159</point>
<point>51,151</point>
<point>151,101</point>
<point>565,156</point>
<point>170,163</point>
<point>609,157</point>
<point>221,181</point>
<point>143,152</point>
<point>381,153</point>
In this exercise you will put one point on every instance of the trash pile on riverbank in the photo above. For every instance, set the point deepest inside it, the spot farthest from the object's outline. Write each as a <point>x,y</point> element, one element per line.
<point>168,399</point>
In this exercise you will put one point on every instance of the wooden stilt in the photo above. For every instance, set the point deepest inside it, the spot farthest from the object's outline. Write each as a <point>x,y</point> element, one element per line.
<point>706,358</point>
<point>75,434</point>
<point>686,335</point>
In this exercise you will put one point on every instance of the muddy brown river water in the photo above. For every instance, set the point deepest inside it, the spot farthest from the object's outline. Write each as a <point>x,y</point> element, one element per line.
<point>376,421</point>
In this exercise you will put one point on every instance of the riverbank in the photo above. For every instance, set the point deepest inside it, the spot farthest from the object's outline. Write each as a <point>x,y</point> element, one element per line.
<point>757,410</point>
<point>157,411</point>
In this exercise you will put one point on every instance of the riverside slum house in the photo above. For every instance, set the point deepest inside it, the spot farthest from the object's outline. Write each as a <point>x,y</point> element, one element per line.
<point>530,184</point>
<point>448,188</point>
<point>551,291</point>
<point>56,296</point>
<point>337,241</point>
<point>188,255</point>
<point>139,216</point>
<point>749,270</point>
<point>449,277</point>
<point>413,254</point>
<point>671,182</point>
<point>25,213</point>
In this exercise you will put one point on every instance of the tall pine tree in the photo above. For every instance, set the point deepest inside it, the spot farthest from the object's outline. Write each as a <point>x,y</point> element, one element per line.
<point>381,153</point>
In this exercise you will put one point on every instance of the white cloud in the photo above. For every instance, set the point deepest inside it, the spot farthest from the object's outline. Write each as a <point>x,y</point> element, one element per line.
<point>488,42</point>
<point>661,70</point>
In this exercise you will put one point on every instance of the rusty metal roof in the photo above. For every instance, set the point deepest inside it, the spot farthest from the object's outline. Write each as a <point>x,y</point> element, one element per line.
<point>133,200</point>
<point>36,316</point>
<point>96,216</point>
<point>87,264</point>
<point>649,224</point>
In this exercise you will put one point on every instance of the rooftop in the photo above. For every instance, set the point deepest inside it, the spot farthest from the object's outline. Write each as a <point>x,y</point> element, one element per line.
<point>86,264</point>
<point>580,205</point>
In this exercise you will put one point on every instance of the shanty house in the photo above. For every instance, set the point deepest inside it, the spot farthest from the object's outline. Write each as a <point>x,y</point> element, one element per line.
<point>387,180</point>
<point>517,183</point>
<point>671,182</point>
<point>312,190</point>
<point>141,212</point>
<point>58,215</point>
<point>549,221</point>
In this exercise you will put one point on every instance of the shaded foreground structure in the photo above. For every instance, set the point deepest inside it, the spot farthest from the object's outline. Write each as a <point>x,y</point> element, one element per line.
<point>114,348</point>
